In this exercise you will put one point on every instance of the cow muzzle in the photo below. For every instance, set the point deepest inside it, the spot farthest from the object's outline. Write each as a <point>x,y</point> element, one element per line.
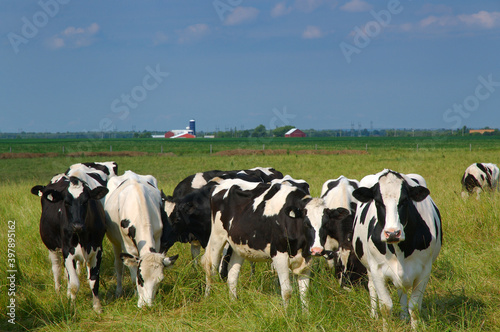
<point>392,236</point>
<point>317,251</point>
<point>78,228</point>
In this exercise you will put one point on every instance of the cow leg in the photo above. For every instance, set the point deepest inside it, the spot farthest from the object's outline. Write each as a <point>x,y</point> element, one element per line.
<point>117,248</point>
<point>55,258</point>
<point>280,262</point>
<point>385,301</point>
<point>403,302</point>
<point>373,296</point>
<point>210,259</point>
<point>73,281</point>
<point>93,268</point>
<point>195,249</point>
<point>234,272</point>
<point>303,281</point>
<point>416,298</point>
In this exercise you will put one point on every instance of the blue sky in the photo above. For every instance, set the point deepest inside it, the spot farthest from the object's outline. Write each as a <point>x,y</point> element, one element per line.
<point>324,64</point>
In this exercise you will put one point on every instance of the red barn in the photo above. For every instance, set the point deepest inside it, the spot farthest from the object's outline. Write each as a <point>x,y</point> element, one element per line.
<point>295,133</point>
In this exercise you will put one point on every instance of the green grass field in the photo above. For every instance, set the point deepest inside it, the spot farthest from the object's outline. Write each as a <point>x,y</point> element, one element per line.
<point>463,293</point>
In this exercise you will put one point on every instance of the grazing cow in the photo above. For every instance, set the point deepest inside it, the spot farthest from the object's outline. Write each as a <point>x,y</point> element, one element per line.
<point>188,210</point>
<point>267,221</point>
<point>198,180</point>
<point>479,177</point>
<point>133,215</point>
<point>95,173</point>
<point>338,193</point>
<point>73,222</point>
<point>397,236</point>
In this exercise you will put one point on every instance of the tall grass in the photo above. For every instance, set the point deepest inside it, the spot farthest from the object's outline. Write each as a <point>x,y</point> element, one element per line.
<point>463,293</point>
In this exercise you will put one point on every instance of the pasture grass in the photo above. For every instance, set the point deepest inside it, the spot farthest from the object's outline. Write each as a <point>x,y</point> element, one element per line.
<point>463,293</point>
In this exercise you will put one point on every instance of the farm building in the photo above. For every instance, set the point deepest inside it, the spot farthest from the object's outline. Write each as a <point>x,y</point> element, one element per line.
<point>179,134</point>
<point>295,133</point>
<point>481,131</point>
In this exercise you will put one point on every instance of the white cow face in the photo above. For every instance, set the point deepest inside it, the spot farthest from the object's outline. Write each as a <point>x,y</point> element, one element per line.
<point>149,274</point>
<point>392,196</point>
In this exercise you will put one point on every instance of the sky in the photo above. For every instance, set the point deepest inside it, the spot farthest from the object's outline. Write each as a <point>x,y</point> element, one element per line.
<point>69,66</point>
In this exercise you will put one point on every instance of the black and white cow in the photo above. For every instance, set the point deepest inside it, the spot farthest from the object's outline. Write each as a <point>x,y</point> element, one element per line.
<point>397,236</point>
<point>480,177</point>
<point>95,173</point>
<point>133,212</point>
<point>188,210</point>
<point>267,221</point>
<point>338,193</point>
<point>199,180</point>
<point>73,222</point>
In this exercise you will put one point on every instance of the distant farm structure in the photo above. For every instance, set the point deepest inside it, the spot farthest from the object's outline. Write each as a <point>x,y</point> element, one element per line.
<point>481,131</point>
<point>294,132</point>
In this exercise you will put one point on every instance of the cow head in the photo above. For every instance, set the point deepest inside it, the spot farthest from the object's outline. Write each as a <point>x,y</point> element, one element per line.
<point>149,273</point>
<point>75,196</point>
<point>392,196</point>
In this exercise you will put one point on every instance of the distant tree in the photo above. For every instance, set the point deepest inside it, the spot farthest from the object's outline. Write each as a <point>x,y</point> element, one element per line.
<point>259,131</point>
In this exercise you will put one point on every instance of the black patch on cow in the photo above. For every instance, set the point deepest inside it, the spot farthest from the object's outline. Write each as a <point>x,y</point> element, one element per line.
<point>365,207</point>
<point>131,232</point>
<point>374,232</point>
<point>98,178</point>
<point>353,184</point>
<point>125,223</point>
<point>74,264</point>
<point>418,234</point>
<point>140,279</point>
<point>391,248</point>
<point>437,222</point>
<point>332,184</point>
<point>358,247</point>
<point>470,182</point>
<point>152,249</point>
<point>71,250</point>
<point>94,271</point>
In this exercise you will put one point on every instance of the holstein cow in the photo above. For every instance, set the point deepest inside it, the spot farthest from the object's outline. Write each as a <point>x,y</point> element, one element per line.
<point>73,222</point>
<point>338,193</point>
<point>133,210</point>
<point>198,180</point>
<point>397,236</point>
<point>188,210</point>
<point>266,221</point>
<point>479,177</point>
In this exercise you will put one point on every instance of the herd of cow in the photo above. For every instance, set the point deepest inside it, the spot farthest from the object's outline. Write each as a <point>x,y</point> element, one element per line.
<point>385,227</point>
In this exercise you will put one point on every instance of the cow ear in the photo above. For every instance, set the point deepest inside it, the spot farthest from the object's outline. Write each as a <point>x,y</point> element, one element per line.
<point>363,194</point>
<point>129,260</point>
<point>169,261</point>
<point>338,214</point>
<point>98,193</point>
<point>53,195</point>
<point>37,190</point>
<point>419,193</point>
<point>294,212</point>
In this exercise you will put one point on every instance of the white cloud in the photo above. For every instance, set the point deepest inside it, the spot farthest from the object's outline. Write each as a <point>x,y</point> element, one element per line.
<point>483,19</point>
<point>280,10</point>
<point>193,32</point>
<point>241,15</point>
<point>74,37</point>
<point>312,32</point>
<point>354,6</point>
